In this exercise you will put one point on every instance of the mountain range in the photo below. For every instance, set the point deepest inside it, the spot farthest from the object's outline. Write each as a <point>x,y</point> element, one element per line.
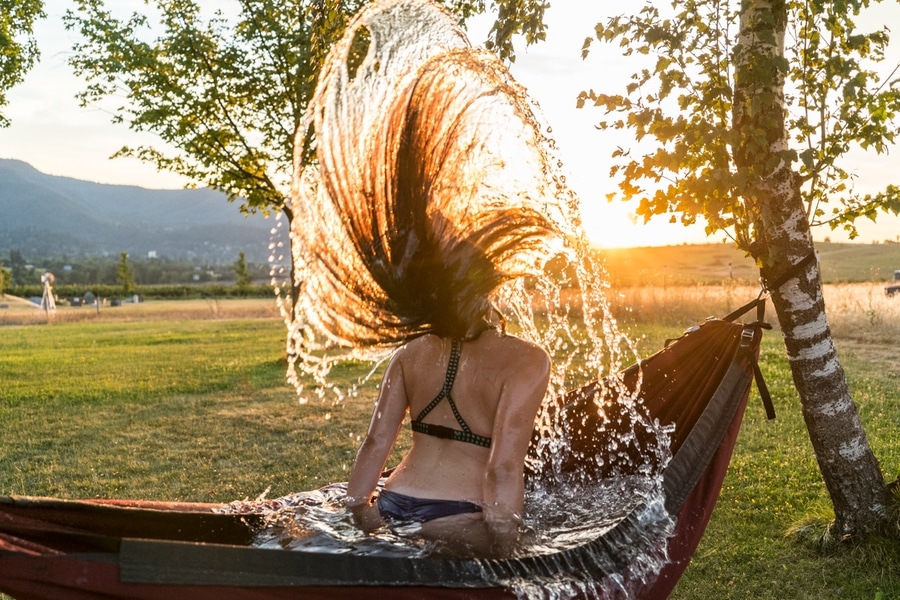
<point>50,216</point>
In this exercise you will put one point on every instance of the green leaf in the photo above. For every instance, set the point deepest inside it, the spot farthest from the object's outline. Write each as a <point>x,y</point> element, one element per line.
<point>716,131</point>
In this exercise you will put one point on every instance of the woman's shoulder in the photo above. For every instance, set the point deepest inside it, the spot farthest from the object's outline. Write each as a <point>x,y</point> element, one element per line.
<point>427,341</point>
<point>419,348</point>
<point>518,351</point>
<point>522,345</point>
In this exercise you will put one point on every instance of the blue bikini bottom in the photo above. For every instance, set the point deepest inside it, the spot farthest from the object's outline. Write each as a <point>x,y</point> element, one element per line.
<point>409,509</point>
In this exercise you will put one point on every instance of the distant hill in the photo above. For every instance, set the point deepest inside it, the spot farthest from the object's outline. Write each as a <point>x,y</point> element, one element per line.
<point>45,215</point>
<point>691,264</point>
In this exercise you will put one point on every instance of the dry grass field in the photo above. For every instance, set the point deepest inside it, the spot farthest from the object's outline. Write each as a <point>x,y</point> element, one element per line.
<point>21,312</point>
<point>860,310</point>
<point>862,318</point>
<point>859,314</point>
<point>720,264</point>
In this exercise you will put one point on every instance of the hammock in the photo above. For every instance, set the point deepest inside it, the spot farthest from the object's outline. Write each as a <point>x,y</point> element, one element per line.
<point>52,548</point>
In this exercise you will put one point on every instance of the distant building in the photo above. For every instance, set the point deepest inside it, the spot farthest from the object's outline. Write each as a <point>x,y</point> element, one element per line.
<point>151,254</point>
<point>892,290</point>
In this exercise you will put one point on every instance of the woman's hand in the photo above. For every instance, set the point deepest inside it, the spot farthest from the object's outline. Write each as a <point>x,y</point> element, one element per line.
<point>503,529</point>
<point>366,516</point>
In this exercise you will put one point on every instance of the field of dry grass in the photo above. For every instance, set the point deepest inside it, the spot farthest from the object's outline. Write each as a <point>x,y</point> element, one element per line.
<point>861,316</point>
<point>853,308</point>
<point>691,264</point>
<point>859,312</point>
<point>21,312</point>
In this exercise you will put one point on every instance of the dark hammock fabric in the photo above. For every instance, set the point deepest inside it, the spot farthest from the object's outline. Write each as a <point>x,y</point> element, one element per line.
<point>51,548</point>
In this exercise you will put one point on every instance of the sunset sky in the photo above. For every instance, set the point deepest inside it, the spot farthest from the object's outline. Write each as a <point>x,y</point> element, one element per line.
<point>52,133</point>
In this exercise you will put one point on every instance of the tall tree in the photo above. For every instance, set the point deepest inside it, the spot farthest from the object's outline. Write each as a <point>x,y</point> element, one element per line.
<point>18,49</point>
<point>125,275</point>
<point>17,267</point>
<point>242,274</point>
<point>5,279</point>
<point>225,93</point>
<point>720,108</point>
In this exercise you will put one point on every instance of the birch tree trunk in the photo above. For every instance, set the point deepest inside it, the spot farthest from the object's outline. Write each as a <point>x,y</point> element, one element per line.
<point>782,238</point>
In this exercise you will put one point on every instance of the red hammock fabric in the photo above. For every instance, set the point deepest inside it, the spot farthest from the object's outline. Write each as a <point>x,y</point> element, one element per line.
<point>53,548</point>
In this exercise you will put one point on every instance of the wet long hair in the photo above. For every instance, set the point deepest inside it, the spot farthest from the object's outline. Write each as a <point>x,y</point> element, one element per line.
<point>429,191</point>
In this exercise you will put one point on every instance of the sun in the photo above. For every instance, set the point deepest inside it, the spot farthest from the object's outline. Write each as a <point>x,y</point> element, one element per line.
<point>613,225</point>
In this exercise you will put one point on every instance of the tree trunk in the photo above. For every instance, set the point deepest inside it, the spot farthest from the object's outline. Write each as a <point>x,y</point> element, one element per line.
<point>781,240</point>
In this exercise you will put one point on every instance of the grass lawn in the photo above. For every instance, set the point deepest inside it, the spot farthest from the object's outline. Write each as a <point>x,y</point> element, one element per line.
<point>164,406</point>
<point>193,410</point>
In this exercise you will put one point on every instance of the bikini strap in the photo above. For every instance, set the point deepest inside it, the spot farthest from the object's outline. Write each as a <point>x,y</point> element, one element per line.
<point>452,367</point>
<point>441,431</point>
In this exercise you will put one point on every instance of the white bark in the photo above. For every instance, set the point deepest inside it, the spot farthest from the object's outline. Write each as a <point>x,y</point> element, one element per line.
<point>848,466</point>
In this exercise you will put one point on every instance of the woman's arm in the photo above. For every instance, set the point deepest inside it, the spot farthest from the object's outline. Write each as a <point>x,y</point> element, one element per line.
<point>390,409</point>
<point>504,479</point>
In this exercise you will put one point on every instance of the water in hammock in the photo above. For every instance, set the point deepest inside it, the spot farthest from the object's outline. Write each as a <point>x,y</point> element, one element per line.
<point>423,145</point>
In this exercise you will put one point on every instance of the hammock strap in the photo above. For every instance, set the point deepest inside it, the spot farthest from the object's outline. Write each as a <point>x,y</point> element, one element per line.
<point>790,273</point>
<point>747,336</point>
<point>759,303</point>
<point>767,287</point>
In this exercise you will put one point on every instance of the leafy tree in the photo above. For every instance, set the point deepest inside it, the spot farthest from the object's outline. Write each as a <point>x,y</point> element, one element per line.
<point>244,280</point>
<point>5,279</point>
<point>17,267</point>
<point>225,93</point>
<point>125,276</point>
<point>746,131</point>
<point>18,49</point>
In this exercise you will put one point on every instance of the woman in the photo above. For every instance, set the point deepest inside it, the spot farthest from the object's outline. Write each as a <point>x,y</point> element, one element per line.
<point>475,403</point>
<point>430,192</point>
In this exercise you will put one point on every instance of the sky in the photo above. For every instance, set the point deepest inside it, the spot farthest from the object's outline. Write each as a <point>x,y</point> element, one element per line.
<point>55,135</point>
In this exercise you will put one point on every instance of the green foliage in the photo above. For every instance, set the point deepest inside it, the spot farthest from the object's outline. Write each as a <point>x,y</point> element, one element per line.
<point>18,49</point>
<point>225,93</point>
<point>148,292</point>
<point>515,17</point>
<point>524,18</point>
<point>17,268</point>
<point>125,276</point>
<point>682,109</point>
<point>87,271</point>
<point>5,278</point>
<point>242,274</point>
<point>842,102</point>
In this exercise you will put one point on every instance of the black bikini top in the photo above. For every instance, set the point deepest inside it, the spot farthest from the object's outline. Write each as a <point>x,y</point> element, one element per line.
<point>464,435</point>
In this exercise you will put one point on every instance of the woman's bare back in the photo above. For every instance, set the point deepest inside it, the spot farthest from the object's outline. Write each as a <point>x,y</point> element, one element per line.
<point>489,365</point>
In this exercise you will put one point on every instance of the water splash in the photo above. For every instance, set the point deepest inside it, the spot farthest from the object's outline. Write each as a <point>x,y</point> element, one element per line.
<point>426,112</point>
<point>415,138</point>
<point>557,557</point>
